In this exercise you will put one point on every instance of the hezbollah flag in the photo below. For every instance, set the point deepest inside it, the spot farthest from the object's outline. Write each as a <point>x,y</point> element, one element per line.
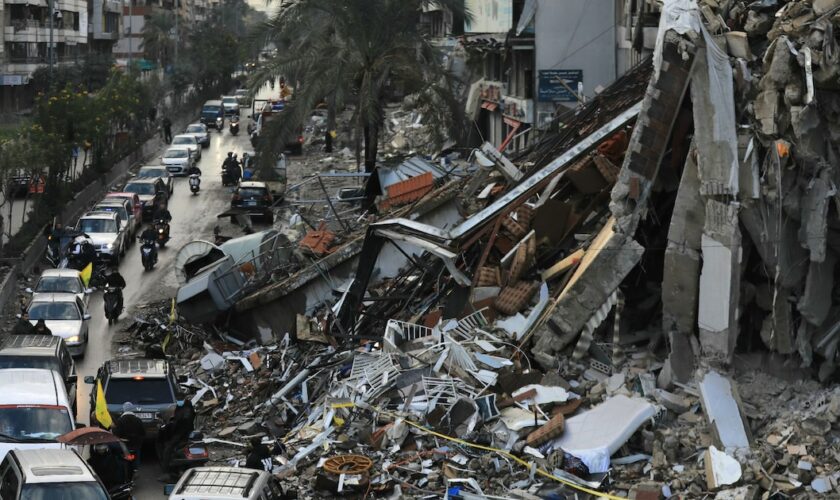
<point>86,273</point>
<point>101,410</point>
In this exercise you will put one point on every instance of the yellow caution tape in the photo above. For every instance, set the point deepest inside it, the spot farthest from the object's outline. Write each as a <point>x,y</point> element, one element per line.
<point>504,454</point>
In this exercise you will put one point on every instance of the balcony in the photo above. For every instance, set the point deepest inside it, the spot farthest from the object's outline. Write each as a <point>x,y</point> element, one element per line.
<point>35,31</point>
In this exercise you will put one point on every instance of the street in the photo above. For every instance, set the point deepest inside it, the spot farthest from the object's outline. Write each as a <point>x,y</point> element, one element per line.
<point>193,216</point>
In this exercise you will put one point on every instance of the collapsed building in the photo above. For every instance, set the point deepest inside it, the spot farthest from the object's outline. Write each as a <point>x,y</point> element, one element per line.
<point>642,302</point>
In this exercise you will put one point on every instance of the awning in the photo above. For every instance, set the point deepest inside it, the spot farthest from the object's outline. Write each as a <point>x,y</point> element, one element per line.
<point>489,106</point>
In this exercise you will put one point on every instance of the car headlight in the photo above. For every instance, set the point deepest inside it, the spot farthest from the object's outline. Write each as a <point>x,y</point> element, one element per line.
<point>109,246</point>
<point>74,338</point>
<point>160,230</point>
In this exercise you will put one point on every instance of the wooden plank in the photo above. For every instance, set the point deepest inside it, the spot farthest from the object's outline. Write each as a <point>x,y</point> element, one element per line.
<point>564,265</point>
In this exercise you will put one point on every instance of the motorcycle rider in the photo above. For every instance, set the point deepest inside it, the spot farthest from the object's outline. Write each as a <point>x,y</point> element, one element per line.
<point>230,167</point>
<point>41,328</point>
<point>82,252</point>
<point>179,428</point>
<point>149,234</point>
<point>130,429</point>
<point>109,464</point>
<point>194,170</point>
<point>23,326</point>
<point>115,280</point>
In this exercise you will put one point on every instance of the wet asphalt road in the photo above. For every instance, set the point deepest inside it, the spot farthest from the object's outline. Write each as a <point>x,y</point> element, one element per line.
<point>193,217</point>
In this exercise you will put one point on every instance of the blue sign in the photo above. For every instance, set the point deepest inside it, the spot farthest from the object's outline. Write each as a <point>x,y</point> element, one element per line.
<point>278,105</point>
<point>551,88</point>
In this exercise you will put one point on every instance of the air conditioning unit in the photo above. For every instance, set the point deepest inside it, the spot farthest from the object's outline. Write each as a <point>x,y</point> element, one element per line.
<point>544,118</point>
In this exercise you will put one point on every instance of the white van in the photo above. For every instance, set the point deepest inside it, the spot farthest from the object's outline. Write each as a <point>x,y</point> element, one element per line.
<point>34,409</point>
<point>225,483</point>
<point>48,474</point>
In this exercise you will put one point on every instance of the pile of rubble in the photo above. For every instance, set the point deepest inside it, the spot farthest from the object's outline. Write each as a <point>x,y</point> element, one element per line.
<point>642,305</point>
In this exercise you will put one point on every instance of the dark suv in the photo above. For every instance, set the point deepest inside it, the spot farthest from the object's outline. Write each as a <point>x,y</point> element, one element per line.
<point>253,198</point>
<point>149,385</point>
<point>152,192</point>
<point>213,115</point>
<point>40,351</point>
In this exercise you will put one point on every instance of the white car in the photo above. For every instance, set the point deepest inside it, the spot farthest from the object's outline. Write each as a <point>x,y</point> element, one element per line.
<point>123,209</point>
<point>107,233</point>
<point>190,142</point>
<point>51,474</point>
<point>65,315</point>
<point>34,410</point>
<point>199,130</point>
<point>231,105</point>
<point>178,160</point>
<point>61,281</point>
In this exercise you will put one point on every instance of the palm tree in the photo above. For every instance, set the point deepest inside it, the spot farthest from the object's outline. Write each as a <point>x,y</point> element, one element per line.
<point>345,51</point>
<point>157,37</point>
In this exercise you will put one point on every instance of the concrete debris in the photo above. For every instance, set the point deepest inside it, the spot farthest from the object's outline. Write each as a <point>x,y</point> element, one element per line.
<point>641,303</point>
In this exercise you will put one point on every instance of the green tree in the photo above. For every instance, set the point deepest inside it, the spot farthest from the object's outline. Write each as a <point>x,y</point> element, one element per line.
<point>352,51</point>
<point>158,44</point>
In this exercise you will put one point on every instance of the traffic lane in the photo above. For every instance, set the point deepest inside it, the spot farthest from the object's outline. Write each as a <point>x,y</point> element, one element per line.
<point>194,217</point>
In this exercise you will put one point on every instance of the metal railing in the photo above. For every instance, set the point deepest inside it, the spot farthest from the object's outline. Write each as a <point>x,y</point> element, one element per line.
<point>256,269</point>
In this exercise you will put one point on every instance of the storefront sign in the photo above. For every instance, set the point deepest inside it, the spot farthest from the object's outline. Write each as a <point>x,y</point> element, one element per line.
<point>552,88</point>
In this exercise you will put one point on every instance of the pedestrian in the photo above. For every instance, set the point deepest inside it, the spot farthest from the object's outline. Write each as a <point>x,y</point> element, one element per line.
<point>167,130</point>
<point>41,328</point>
<point>179,429</point>
<point>75,153</point>
<point>152,114</point>
<point>130,429</point>
<point>328,138</point>
<point>259,456</point>
<point>23,326</point>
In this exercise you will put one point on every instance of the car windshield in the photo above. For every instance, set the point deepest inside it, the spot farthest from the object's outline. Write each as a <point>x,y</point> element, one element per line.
<point>59,284</point>
<point>54,311</point>
<point>195,129</point>
<point>98,226</point>
<point>176,153</point>
<point>151,173</point>
<point>251,192</point>
<point>33,422</point>
<point>210,109</point>
<point>184,140</point>
<point>142,391</point>
<point>89,490</point>
<point>43,362</point>
<point>118,209</point>
<point>229,100</point>
<point>140,188</point>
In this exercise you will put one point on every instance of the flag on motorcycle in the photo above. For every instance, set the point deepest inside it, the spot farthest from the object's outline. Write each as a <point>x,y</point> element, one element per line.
<point>86,273</point>
<point>101,410</point>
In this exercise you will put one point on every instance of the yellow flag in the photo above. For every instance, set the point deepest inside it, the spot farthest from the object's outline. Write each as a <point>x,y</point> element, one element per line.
<point>172,312</point>
<point>86,273</point>
<point>102,414</point>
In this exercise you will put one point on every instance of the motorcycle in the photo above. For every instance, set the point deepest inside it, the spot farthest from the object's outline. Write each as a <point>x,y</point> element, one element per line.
<point>113,304</point>
<point>162,229</point>
<point>186,454</point>
<point>53,254</point>
<point>228,177</point>
<point>220,123</point>
<point>234,125</point>
<point>122,492</point>
<point>195,182</point>
<point>148,254</point>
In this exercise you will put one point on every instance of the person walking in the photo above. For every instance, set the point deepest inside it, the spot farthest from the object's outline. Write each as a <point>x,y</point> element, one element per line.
<point>23,326</point>
<point>167,130</point>
<point>130,428</point>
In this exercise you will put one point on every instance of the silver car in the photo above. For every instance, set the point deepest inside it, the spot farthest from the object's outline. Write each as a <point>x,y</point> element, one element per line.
<point>155,171</point>
<point>65,315</point>
<point>223,483</point>
<point>106,232</point>
<point>231,105</point>
<point>178,160</point>
<point>199,130</point>
<point>190,142</point>
<point>61,281</point>
<point>121,208</point>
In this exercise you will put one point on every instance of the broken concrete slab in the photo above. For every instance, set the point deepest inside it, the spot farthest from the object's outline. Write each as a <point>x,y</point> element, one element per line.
<point>721,469</point>
<point>594,435</point>
<point>720,281</point>
<point>816,299</point>
<point>721,403</point>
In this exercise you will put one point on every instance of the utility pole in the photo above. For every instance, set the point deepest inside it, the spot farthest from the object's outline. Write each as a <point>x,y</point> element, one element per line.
<point>130,33</point>
<point>50,46</point>
<point>177,35</point>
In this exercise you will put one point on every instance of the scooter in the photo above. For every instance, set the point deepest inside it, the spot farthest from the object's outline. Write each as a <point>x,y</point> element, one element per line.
<point>186,454</point>
<point>148,254</point>
<point>228,177</point>
<point>162,229</point>
<point>195,183</point>
<point>53,253</point>
<point>113,303</point>
<point>234,125</point>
